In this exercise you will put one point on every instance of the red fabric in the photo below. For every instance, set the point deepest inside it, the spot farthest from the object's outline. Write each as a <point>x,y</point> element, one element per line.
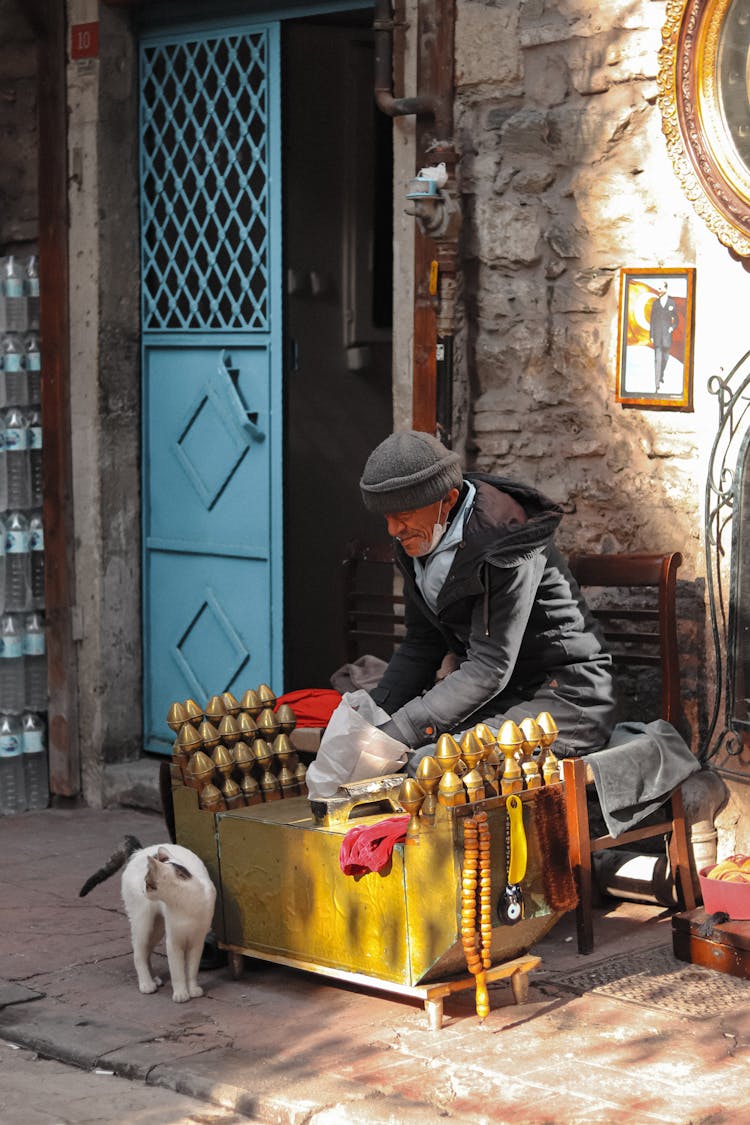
<point>312,707</point>
<point>368,847</point>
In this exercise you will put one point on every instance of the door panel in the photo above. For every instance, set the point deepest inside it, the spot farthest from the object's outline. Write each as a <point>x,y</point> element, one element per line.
<point>212,428</point>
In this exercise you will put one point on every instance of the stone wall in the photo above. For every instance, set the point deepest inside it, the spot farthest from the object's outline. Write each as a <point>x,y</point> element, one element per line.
<point>565,179</point>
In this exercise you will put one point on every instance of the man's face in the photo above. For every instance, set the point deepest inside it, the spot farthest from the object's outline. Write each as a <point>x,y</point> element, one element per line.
<point>413,529</point>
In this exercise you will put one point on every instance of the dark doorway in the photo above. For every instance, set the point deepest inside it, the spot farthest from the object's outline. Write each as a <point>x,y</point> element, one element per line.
<point>338,167</point>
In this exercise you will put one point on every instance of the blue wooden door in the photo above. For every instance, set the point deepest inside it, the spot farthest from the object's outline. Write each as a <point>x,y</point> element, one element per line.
<point>211,290</point>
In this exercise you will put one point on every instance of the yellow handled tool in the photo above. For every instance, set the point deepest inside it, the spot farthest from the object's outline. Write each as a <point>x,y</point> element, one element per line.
<point>510,906</point>
<point>518,852</point>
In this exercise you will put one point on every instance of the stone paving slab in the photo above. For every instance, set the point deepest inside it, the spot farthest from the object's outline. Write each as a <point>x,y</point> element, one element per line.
<point>284,1046</point>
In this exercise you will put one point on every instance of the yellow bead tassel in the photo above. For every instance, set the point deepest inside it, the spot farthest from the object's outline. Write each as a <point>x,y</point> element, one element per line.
<point>476,882</point>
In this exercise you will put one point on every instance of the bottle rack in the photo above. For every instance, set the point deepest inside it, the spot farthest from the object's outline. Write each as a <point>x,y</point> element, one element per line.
<point>23,661</point>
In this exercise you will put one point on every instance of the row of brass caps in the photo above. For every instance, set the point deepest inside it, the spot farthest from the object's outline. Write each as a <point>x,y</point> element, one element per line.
<point>199,768</point>
<point>460,771</point>
<point>231,730</point>
<point>228,794</point>
<point>252,703</point>
<point>242,755</point>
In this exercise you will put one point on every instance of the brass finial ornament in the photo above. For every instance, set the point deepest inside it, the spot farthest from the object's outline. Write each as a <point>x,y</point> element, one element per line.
<point>247,726</point>
<point>270,786</point>
<point>180,758</point>
<point>531,775</point>
<point>215,709</point>
<point>472,749</point>
<point>189,739</point>
<point>512,779</point>
<point>266,696</point>
<point>550,768</point>
<point>549,728</point>
<point>245,760</point>
<point>509,738</point>
<point>211,799</point>
<point>451,789</point>
<point>267,723</point>
<point>231,704</point>
<point>428,776</point>
<point>447,752</point>
<point>486,735</point>
<point>474,785</point>
<point>193,713</point>
<point>284,753</point>
<point>223,760</point>
<point>243,757</point>
<point>300,776</point>
<point>250,703</point>
<point>233,796</point>
<point>411,796</point>
<point>199,770</point>
<point>176,716</point>
<point>287,718</point>
<point>283,748</point>
<point>229,730</point>
<point>209,735</point>
<point>263,753</point>
<point>532,735</point>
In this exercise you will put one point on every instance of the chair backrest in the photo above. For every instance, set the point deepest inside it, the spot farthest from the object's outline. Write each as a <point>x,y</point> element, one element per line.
<point>639,631</point>
<point>373,605</point>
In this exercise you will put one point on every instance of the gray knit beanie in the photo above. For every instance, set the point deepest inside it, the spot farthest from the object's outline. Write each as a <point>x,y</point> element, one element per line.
<point>408,470</point>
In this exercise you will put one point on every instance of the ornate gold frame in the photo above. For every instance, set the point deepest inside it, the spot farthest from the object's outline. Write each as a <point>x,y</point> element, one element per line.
<point>704,98</point>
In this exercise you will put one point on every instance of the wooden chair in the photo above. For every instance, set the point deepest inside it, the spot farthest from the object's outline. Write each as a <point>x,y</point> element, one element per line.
<point>638,634</point>
<point>373,607</point>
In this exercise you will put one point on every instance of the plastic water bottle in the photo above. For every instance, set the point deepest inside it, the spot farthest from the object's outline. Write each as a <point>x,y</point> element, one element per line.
<point>17,566</point>
<point>15,302</point>
<point>33,364</point>
<point>12,679</point>
<point>2,566</point>
<point>36,548</point>
<point>34,440</point>
<point>35,663</point>
<point>35,768</point>
<point>15,378</point>
<point>12,782</point>
<point>18,469</point>
<point>3,467</point>
<point>31,288</point>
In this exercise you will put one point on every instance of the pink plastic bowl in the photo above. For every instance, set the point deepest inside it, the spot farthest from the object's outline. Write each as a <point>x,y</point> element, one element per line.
<point>732,898</point>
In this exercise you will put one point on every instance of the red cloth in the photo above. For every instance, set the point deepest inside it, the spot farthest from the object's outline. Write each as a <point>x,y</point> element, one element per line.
<point>368,847</point>
<point>312,707</point>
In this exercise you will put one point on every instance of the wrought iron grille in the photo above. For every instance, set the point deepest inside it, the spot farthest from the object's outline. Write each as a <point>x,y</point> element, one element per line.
<point>726,530</point>
<point>204,173</point>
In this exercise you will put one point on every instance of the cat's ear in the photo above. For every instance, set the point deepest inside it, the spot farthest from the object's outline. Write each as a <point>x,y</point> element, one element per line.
<point>163,855</point>
<point>180,871</point>
<point>152,874</point>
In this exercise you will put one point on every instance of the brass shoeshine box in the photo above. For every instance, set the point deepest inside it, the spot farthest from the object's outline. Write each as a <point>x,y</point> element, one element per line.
<point>282,892</point>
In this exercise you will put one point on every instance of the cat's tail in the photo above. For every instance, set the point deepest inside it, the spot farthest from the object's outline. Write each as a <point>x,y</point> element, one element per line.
<point>117,860</point>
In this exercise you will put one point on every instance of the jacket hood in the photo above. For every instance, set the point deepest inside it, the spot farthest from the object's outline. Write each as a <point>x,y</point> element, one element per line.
<point>497,503</point>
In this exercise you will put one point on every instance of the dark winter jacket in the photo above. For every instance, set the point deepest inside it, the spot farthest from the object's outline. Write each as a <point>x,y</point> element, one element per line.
<point>510,611</point>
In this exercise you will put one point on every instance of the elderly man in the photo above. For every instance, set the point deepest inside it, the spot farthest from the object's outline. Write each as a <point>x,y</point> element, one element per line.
<point>484,582</point>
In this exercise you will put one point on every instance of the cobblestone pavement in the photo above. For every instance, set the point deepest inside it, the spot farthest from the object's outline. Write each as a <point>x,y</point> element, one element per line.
<point>284,1046</point>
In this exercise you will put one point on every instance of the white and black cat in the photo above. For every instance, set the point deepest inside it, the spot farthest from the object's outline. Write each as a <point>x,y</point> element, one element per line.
<point>166,892</point>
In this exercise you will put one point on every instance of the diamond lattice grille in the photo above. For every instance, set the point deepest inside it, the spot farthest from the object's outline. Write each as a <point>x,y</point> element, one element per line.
<point>205,184</point>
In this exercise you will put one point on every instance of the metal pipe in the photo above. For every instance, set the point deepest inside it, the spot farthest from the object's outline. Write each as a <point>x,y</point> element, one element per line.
<point>420,106</point>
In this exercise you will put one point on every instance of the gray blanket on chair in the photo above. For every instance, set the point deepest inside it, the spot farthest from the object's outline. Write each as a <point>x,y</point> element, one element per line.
<point>637,770</point>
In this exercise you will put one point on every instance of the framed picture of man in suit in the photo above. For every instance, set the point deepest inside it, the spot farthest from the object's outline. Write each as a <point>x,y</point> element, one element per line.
<point>655,338</point>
